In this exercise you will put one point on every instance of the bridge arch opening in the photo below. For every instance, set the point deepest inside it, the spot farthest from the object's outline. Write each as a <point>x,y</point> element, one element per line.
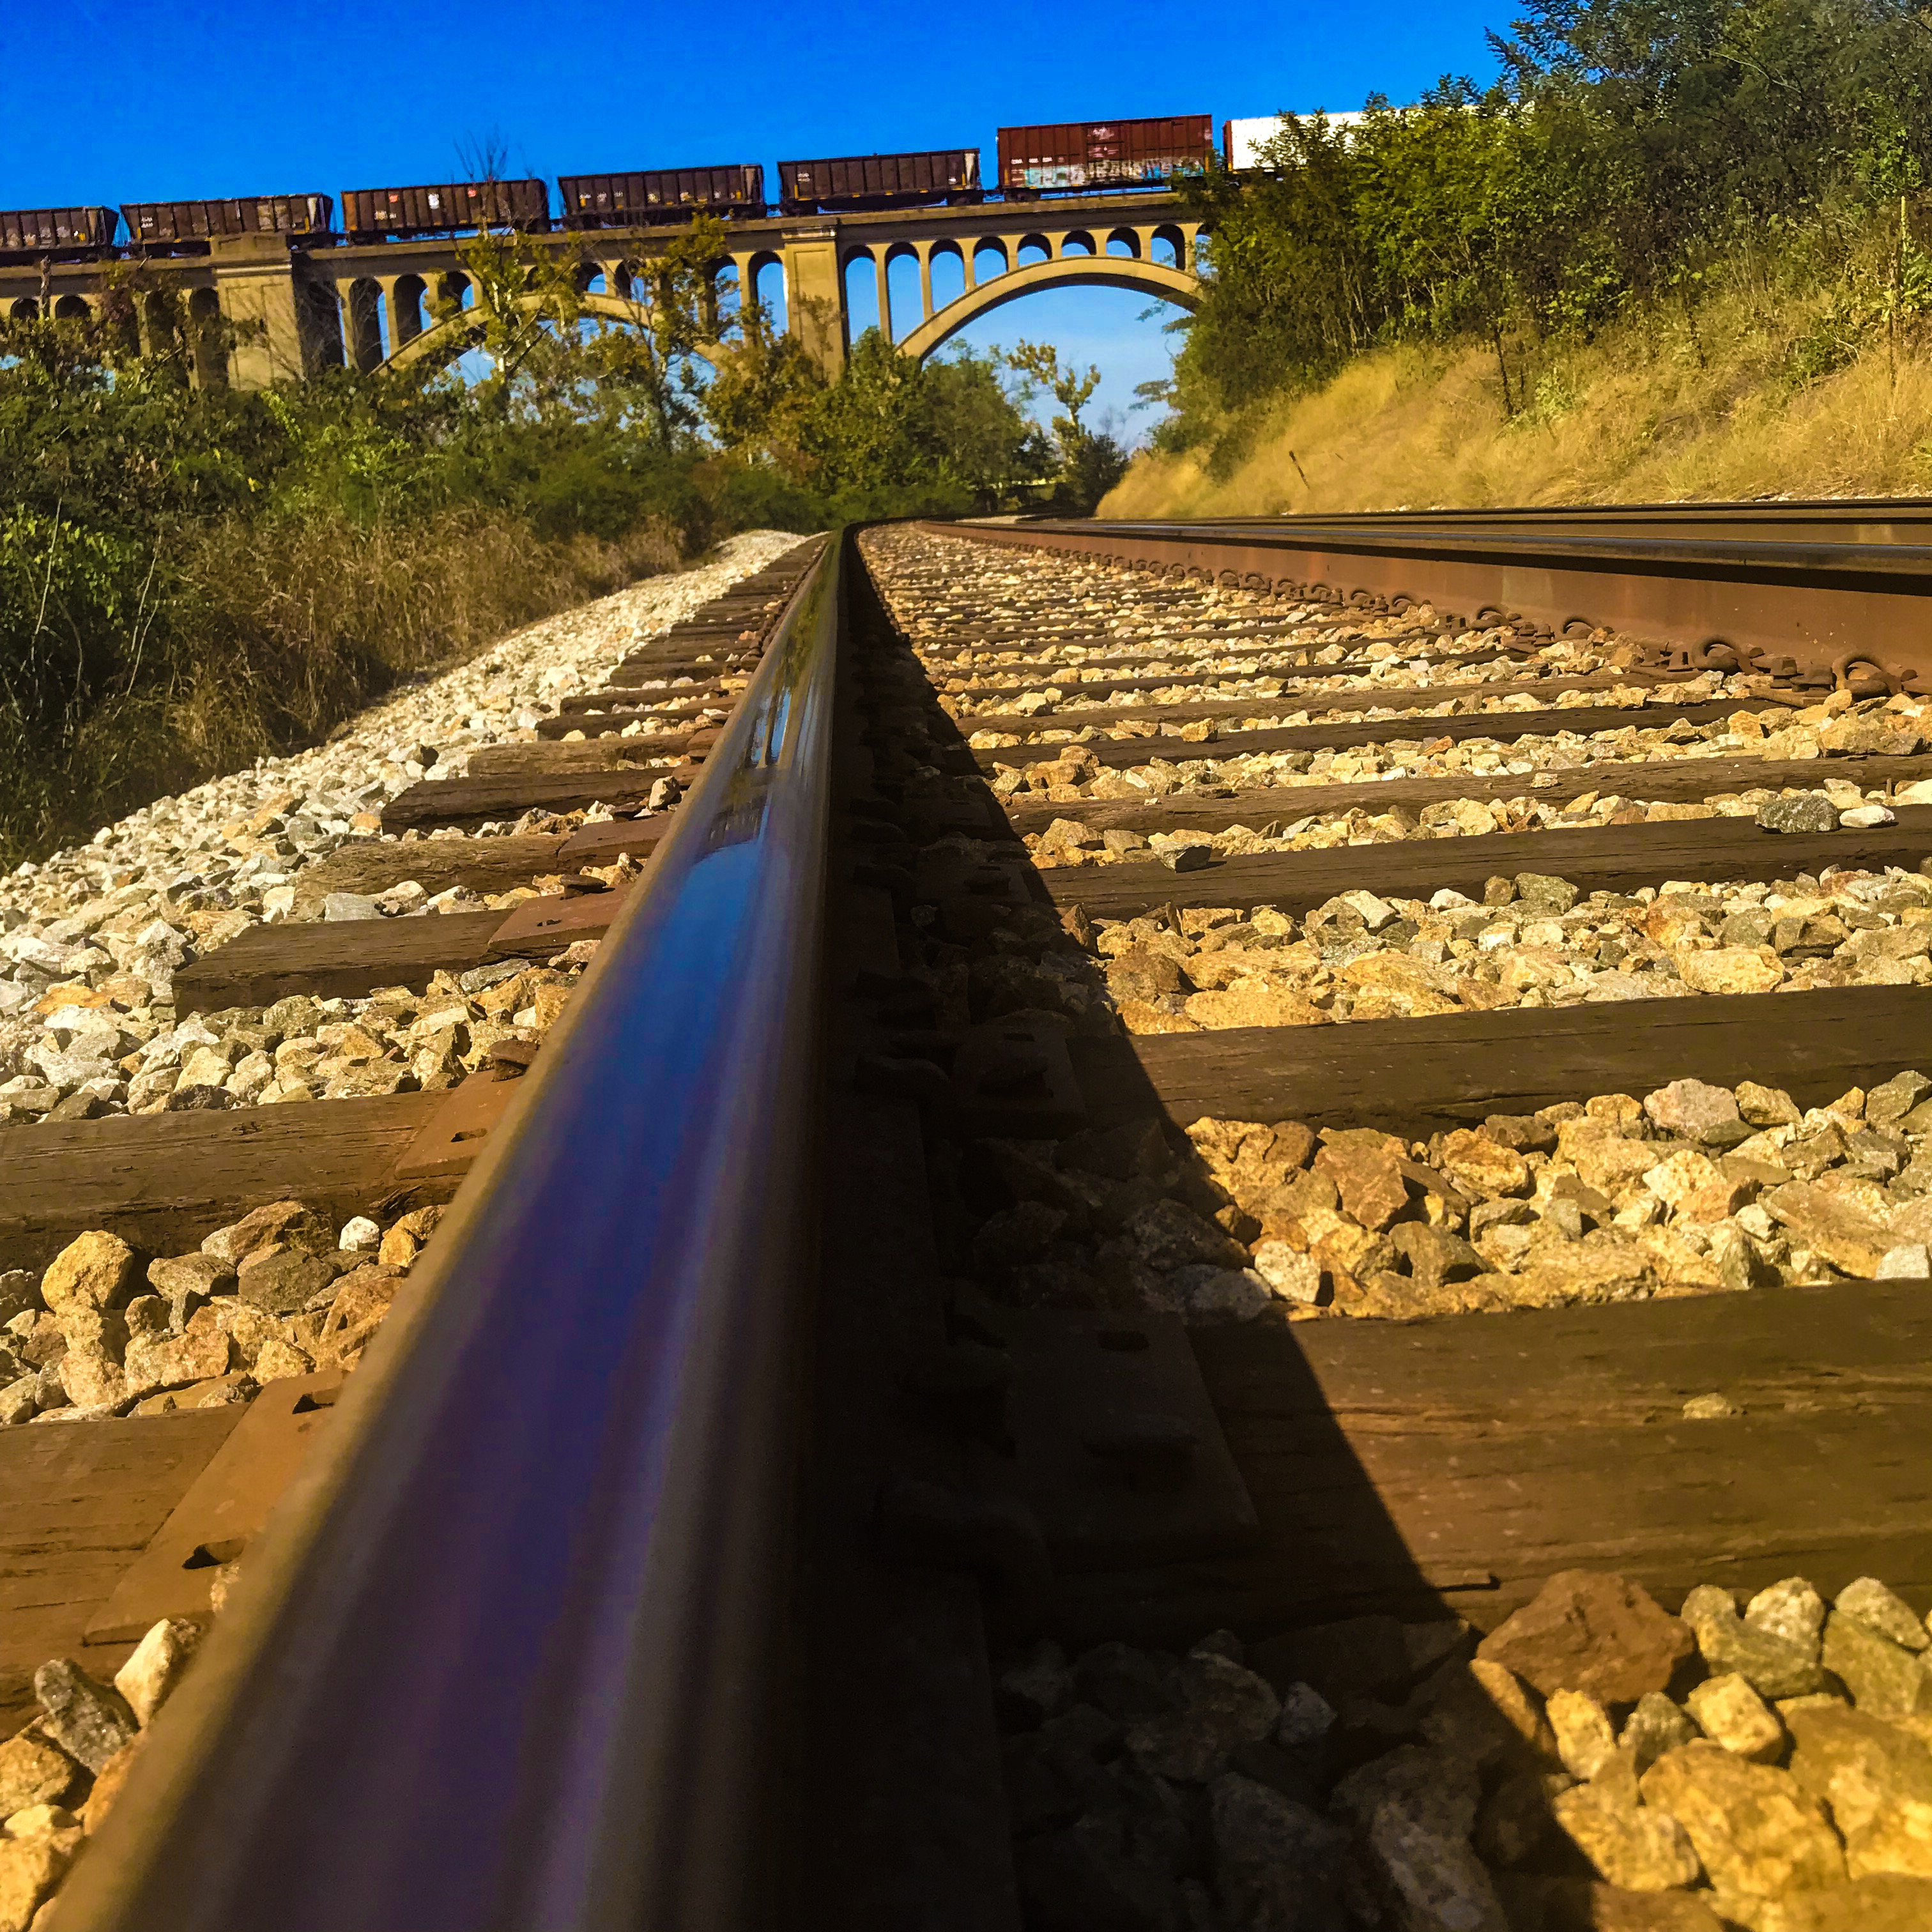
<point>1124,242</point>
<point>157,316</point>
<point>23,310</point>
<point>1075,269</point>
<point>768,289</point>
<point>861,280</point>
<point>1170,247</point>
<point>1107,310</point>
<point>946,270</point>
<point>72,308</point>
<point>363,322</point>
<point>1078,243</point>
<point>204,317</point>
<point>408,300</point>
<point>904,290</point>
<point>989,260</point>
<point>1032,248</point>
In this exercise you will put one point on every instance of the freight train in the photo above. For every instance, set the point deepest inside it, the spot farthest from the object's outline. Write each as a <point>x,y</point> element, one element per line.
<point>1061,157</point>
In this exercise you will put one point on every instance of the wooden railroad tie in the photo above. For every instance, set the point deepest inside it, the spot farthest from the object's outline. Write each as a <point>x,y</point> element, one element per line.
<point>1609,858</point>
<point>1664,780</point>
<point>1505,726</point>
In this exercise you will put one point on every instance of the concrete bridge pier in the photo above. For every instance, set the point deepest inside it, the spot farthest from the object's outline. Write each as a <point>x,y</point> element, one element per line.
<point>284,311</point>
<point>815,293</point>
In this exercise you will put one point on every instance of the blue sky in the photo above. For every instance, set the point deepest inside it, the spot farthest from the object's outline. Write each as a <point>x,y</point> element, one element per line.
<point>111,101</point>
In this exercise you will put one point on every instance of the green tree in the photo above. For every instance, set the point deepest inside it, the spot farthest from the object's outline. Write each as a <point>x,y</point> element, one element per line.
<point>763,388</point>
<point>1628,152</point>
<point>943,433</point>
<point>1090,462</point>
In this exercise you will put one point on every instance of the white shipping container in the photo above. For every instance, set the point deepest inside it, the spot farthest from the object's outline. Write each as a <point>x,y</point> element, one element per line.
<point>1243,141</point>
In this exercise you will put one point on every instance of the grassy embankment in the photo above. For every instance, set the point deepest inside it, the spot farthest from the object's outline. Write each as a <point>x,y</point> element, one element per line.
<point>1645,413</point>
<point>1673,249</point>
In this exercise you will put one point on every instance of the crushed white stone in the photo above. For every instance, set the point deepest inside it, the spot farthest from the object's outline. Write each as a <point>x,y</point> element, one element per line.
<point>111,922</point>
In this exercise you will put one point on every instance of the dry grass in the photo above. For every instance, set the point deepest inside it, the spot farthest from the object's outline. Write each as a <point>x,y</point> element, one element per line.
<point>1646,413</point>
<point>273,632</point>
<point>300,624</point>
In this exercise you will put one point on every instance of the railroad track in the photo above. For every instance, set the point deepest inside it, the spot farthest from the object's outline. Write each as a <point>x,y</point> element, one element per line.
<point>1143,1243</point>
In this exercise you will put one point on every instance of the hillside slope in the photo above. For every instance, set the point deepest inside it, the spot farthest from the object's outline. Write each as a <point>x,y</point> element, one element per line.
<point>1646,413</point>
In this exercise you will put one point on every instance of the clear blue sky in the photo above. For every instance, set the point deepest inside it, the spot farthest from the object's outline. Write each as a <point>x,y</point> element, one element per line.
<point>111,101</point>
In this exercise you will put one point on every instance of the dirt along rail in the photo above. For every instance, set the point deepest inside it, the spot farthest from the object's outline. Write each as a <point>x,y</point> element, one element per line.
<point>1145,1251</point>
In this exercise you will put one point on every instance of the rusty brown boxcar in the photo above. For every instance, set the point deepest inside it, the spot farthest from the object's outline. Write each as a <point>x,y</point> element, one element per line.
<point>880,181</point>
<point>162,224</point>
<point>662,194</point>
<point>1071,157</point>
<point>441,208</point>
<point>43,231</point>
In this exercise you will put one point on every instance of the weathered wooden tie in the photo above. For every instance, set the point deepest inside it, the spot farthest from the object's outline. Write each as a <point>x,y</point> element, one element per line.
<point>1610,858</point>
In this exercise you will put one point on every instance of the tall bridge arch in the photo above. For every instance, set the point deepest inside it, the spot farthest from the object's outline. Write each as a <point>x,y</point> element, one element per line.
<point>1152,250</point>
<point>1180,286</point>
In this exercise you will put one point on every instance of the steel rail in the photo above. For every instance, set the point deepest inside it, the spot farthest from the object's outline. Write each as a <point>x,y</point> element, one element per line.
<point>1784,555</point>
<point>505,1658</point>
<point>1864,519</point>
<point>1819,592</point>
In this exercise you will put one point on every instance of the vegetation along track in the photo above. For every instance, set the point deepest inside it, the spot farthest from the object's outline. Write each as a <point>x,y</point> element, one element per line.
<point>1207,1247</point>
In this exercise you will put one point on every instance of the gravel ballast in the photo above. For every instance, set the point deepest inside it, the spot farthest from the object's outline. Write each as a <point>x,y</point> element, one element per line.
<point>90,940</point>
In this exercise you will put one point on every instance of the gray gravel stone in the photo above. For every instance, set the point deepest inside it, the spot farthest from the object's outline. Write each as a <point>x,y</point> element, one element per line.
<point>88,1720</point>
<point>33,1771</point>
<point>1654,1726</point>
<point>1187,858</point>
<point>1756,1830</point>
<point>286,1282</point>
<point>1544,892</point>
<point>1276,1863</point>
<point>1693,1109</point>
<point>1791,1610</point>
<point>148,1678</point>
<point>1223,1705</point>
<point>1860,1765</point>
<point>1772,1665</point>
<point>1307,1718</point>
<point>1882,1609</point>
<point>1809,811</point>
<point>1639,1848</point>
<point>1414,1810</point>
<point>1884,1678</point>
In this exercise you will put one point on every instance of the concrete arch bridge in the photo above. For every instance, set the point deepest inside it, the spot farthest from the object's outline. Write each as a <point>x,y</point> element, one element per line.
<point>996,254</point>
<point>383,305</point>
